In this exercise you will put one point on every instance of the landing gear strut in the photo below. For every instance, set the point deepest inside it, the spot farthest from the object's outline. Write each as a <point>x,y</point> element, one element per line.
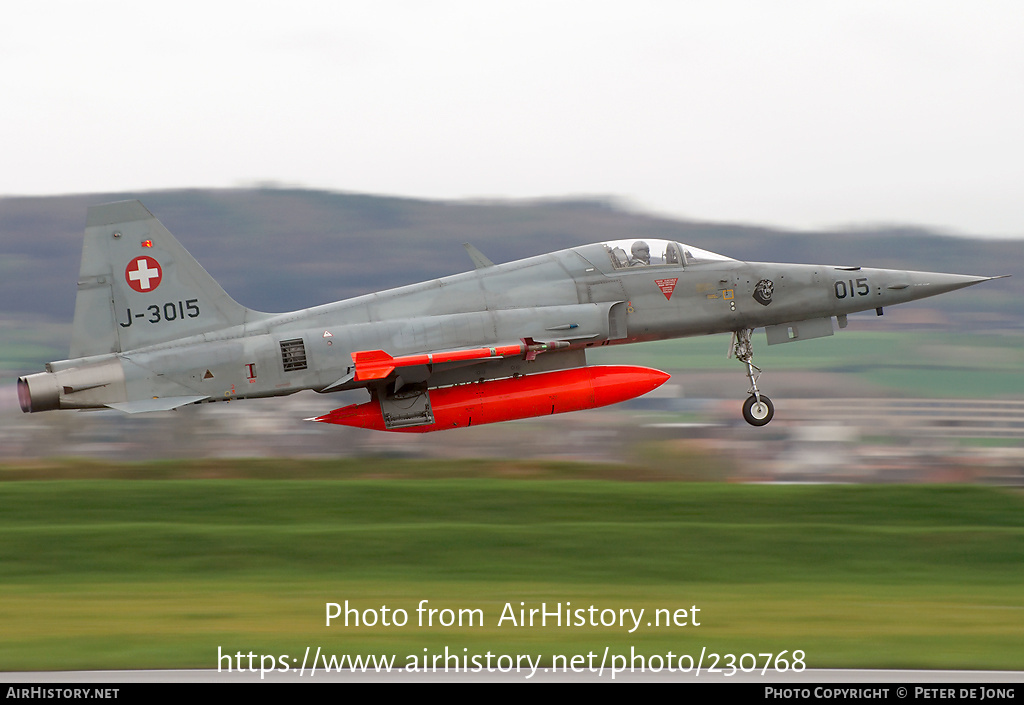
<point>757,409</point>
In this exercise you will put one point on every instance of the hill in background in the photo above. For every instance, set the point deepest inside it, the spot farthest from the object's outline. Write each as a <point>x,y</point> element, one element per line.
<point>285,249</point>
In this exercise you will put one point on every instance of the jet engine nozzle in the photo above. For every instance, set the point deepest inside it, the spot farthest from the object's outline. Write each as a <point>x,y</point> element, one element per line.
<point>38,392</point>
<point>73,387</point>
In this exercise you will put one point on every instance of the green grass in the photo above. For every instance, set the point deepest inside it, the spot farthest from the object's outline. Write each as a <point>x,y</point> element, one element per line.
<point>159,573</point>
<point>496,531</point>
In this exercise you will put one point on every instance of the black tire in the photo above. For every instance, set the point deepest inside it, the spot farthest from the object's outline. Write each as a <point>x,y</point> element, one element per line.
<point>758,415</point>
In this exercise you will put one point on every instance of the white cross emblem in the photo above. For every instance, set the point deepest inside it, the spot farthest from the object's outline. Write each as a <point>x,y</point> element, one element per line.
<point>143,274</point>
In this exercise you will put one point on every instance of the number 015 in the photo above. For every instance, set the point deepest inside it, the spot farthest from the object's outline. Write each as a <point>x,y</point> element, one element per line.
<point>858,287</point>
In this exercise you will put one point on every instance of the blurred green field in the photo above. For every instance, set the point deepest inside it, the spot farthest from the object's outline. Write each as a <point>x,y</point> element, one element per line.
<point>926,364</point>
<point>159,573</point>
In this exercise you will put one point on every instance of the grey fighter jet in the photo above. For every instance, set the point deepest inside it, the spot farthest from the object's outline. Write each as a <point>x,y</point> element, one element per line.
<point>153,331</point>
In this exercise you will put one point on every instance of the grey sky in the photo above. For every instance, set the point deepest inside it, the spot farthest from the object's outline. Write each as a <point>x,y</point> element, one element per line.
<point>799,114</point>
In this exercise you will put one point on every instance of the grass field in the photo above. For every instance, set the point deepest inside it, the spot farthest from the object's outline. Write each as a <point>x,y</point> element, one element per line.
<point>131,573</point>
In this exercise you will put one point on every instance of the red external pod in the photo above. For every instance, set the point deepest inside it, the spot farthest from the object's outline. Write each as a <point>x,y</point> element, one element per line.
<point>523,397</point>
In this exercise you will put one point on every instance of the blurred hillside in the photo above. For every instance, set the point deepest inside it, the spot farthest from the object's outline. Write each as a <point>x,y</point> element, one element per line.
<point>285,249</point>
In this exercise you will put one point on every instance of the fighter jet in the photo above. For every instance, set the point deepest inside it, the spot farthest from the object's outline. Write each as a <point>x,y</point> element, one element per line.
<point>153,331</point>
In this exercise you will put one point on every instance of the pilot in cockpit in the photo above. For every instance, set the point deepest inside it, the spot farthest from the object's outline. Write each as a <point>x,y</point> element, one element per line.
<point>640,254</point>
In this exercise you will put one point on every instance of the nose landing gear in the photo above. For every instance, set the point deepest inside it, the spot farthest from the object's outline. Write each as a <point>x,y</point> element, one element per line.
<point>758,409</point>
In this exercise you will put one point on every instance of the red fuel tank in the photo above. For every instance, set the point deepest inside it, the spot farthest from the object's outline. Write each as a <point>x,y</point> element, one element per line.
<point>514,398</point>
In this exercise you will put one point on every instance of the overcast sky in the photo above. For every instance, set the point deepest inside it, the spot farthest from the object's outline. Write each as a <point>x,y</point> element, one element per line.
<point>796,114</point>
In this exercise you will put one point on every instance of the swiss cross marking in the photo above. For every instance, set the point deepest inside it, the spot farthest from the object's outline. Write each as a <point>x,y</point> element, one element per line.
<point>667,286</point>
<point>143,274</point>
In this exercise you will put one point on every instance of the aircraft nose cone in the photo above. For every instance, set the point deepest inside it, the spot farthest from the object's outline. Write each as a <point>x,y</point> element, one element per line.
<point>941,283</point>
<point>922,284</point>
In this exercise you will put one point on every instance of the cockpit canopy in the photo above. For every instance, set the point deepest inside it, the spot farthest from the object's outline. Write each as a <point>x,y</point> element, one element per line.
<point>657,253</point>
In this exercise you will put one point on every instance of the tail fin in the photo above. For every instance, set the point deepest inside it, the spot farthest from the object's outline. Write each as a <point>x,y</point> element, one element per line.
<point>138,286</point>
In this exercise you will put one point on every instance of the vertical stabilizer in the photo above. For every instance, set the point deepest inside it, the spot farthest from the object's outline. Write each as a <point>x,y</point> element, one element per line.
<point>138,286</point>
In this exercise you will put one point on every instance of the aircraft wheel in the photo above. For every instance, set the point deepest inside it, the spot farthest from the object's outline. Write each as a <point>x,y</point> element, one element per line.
<point>758,414</point>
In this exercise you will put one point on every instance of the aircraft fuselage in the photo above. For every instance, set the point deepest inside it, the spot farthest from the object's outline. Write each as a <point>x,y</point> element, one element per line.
<point>145,353</point>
